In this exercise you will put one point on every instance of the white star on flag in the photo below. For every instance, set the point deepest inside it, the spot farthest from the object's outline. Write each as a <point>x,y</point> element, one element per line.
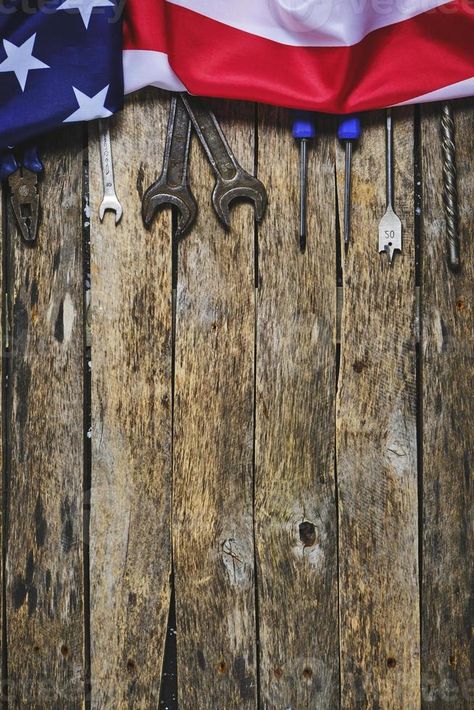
<point>85,7</point>
<point>20,60</point>
<point>90,107</point>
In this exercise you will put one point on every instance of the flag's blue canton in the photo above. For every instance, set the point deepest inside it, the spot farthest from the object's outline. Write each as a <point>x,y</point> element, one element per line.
<point>58,64</point>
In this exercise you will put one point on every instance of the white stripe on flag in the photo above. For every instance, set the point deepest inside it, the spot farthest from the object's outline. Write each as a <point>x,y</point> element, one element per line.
<point>310,23</point>
<point>453,91</point>
<point>144,68</point>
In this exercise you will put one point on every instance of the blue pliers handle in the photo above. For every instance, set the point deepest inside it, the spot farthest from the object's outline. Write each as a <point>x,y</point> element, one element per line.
<point>30,161</point>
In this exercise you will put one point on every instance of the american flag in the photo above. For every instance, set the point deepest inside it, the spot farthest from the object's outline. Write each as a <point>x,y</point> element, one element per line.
<point>59,62</point>
<point>336,56</point>
<point>66,60</point>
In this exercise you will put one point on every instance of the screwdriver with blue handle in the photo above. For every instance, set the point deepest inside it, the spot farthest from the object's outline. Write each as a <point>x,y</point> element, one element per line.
<point>349,132</point>
<point>304,130</point>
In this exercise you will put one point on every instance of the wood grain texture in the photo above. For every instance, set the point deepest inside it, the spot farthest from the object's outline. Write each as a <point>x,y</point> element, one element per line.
<point>376,439</point>
<point>131,323</point>
<point>213,444</point>
<point>448,439</point>
<point>4,341</point>
<point>295,512</point>
<point>45,431</point>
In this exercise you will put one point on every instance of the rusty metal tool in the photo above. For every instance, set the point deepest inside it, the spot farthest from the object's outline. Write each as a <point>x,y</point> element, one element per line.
<point>450,187</point>
<point>110,200</point>
<point>390,227</point>
<point>22,175</point>
<point>172,187</point>
<point>232,181</point>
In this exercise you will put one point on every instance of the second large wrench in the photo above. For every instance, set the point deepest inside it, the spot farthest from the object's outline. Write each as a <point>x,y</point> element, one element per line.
<point>172,187</point>
<point>232,181</point>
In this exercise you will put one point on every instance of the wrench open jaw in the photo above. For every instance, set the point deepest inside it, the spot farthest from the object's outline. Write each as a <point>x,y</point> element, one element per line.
<point>162,194</point>
<point>242,186</point>
<point>111,202</point>
<point>172,187</point>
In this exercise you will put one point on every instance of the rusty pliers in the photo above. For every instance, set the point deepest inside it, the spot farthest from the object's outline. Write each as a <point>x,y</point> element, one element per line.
<point>22,175</point>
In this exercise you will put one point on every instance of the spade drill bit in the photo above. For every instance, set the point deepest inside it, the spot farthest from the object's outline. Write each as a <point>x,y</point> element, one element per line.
<point>390,227</point>
<point>450,189</point>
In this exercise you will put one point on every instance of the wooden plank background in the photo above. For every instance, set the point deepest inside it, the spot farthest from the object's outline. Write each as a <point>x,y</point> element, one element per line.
<point>205,425</point>
<point>376,440</point>
<point>295,497</point>
<point>130,478</point>
<point>448,440</point>
<point>213,444</point>
<point>43,427</point>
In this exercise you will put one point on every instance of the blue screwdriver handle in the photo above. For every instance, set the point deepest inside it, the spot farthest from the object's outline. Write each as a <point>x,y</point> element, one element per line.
<point>304,125</point>
<point>31,160</point>
<point>349,128</point>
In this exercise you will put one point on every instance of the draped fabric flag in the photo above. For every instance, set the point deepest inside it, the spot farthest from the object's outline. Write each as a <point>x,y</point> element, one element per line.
<point>335,56</point>
<point>59,62</point>
<point>62,60</point>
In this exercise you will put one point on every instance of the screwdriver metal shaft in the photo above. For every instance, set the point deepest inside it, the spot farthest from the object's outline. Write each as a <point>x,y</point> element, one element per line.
<point>303,192</point>
<point>347,193</point>
<point>450,187</point>
<point>348,132</point>
<point>304,130</point>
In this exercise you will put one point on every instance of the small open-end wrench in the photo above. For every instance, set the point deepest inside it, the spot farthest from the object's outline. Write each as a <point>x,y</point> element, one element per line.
<point>110,201</point>
<point>172,187</point>
<point>232,181</point>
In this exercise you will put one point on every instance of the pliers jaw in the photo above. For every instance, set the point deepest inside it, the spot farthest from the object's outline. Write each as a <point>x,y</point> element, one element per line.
<point>25,202</point>
<point>22,175</point>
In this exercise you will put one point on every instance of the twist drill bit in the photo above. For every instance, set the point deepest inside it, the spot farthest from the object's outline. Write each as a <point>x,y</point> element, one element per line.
<point>450,188</point>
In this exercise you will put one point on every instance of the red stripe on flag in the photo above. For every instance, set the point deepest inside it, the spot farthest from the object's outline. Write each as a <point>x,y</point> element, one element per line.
<point>391,65</point>
<point>145,25</point>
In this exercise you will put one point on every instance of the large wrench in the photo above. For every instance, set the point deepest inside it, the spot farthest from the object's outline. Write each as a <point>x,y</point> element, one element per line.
<point>232,181</point>
<point>172,187</point>
<point>110,201</point>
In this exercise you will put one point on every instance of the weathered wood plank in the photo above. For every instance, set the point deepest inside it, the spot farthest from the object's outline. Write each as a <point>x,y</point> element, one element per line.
<point>45,438</point>
<point>376,439</point>
<point>4,341</point>
<point>131,322</point>
<point>448,439</point>
<point>213,444</point>
<point>296,521</point>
